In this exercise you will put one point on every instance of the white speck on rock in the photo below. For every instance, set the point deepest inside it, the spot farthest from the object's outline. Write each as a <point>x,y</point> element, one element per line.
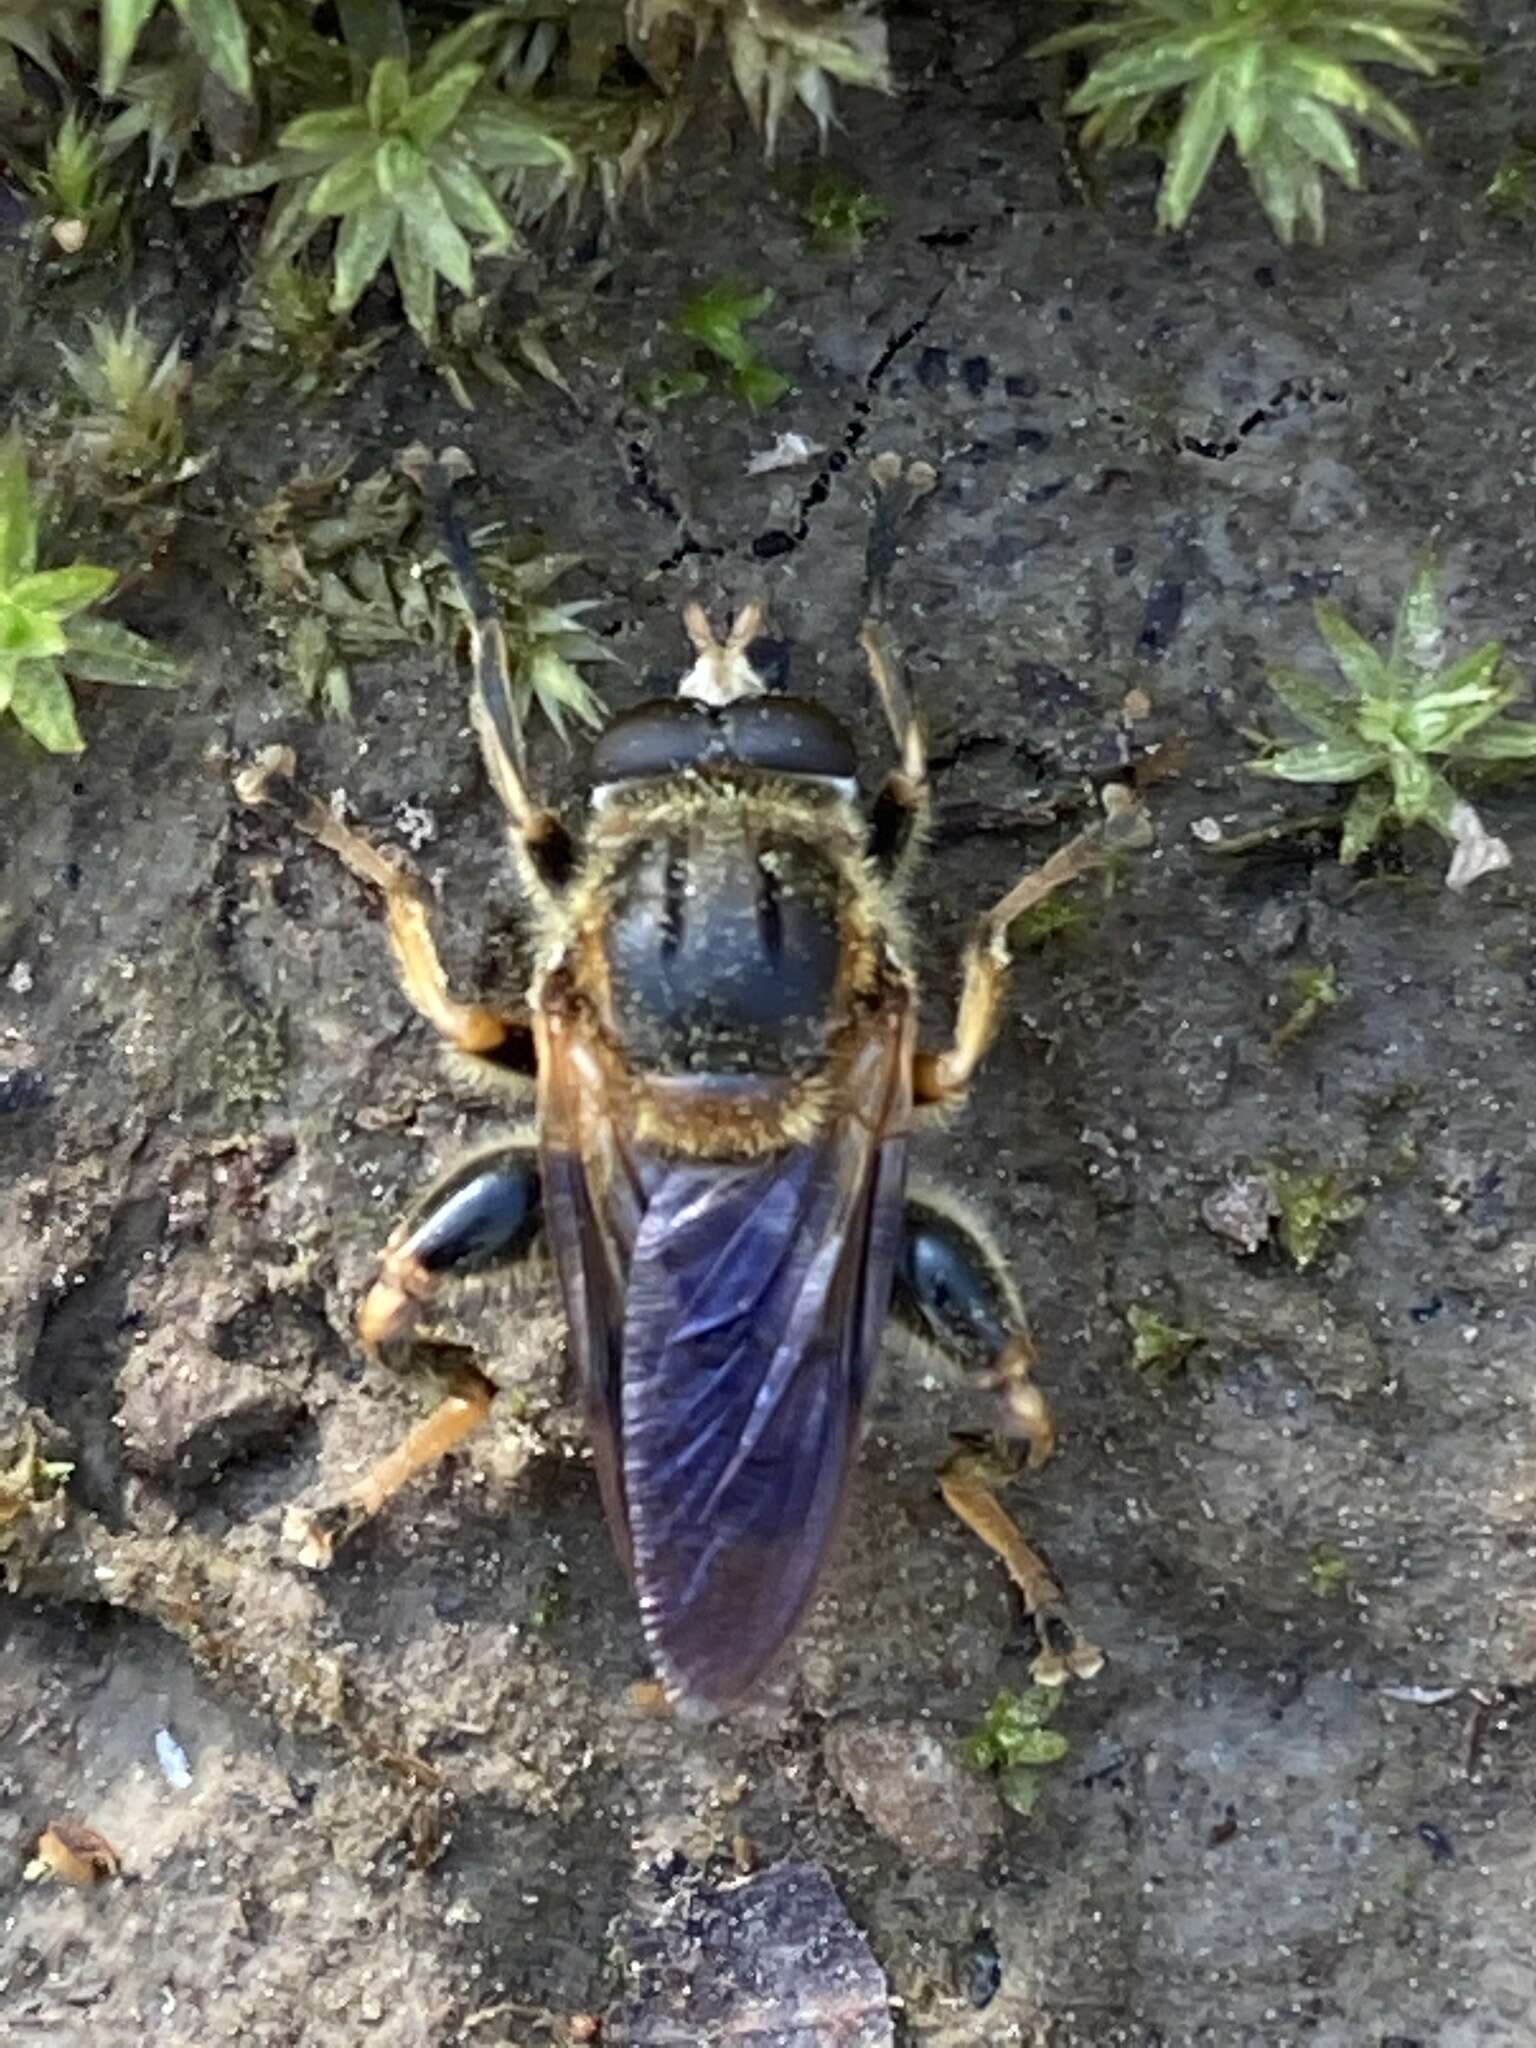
<point>172,1759</point>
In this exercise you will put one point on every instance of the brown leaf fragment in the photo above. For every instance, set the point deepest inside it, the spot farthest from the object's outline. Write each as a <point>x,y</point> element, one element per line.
<point>70,1850</point>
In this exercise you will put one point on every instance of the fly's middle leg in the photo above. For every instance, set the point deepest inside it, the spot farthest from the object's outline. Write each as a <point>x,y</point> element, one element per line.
<point>504,1037</point>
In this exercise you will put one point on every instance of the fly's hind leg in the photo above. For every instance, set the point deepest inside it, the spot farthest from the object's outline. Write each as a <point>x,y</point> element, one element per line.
<point>484,1217</point>
<point>954,1291</point>
<point>503,1037</point>
<point>485,1213</point>
<point>969,1483</point>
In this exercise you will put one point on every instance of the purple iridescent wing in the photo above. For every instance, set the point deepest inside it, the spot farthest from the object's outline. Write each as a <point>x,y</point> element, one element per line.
<point>725,1320</point>
<point>756,1302</point>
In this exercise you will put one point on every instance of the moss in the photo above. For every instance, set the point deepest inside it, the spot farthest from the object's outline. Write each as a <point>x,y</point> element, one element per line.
<point>841,216</point>
<point>1158,1348</point>
<point>1311,1205</point>
<point>1014,1741</point>
<point>1327,1572</point>
<point>1314,989</point>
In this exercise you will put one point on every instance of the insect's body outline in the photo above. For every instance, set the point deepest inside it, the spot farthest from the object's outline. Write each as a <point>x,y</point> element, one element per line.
<point>720,1033</point>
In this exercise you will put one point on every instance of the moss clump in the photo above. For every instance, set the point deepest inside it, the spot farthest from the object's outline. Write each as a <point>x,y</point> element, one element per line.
<point>1404,710</point>
<point>1312,1205</point>
<point>717,321</point>
<point>1280,78</point>
<point>1158,1348</point>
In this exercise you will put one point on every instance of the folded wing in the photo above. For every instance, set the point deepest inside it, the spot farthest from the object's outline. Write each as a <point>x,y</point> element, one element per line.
<point>756,1302</point>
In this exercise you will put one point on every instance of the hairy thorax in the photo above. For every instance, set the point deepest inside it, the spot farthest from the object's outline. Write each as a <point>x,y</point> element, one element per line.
<point>725,947</point>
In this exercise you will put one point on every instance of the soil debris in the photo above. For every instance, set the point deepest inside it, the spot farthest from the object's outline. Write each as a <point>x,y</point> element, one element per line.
<point>1241,1210</point>
<point>186,1413</point>
<point>69,1850</point>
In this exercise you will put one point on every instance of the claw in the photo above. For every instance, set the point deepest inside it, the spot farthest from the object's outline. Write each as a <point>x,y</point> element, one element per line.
<point>313,1534</point>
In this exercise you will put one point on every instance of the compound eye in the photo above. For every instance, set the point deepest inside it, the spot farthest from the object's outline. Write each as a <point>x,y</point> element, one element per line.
<point>664,737</point>
<point>775,735</point>
<point>787,736</point>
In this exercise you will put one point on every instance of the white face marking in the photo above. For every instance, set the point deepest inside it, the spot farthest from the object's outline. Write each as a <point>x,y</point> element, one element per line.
<point>722,675</point>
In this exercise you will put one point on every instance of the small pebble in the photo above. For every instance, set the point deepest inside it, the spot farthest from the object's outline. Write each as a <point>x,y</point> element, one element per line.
<point>1241,1211</point>
<point>980,1971</point>
<point>1276,930</point>
<point>911,1787</point>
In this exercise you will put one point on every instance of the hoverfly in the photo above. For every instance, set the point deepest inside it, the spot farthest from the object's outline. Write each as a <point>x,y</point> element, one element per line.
<point>721,1036</point>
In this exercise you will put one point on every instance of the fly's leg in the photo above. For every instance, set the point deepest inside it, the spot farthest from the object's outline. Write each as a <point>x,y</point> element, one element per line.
<point>899,488</point>
<point>544,848</point>
<point>316,1533</point>
<point>901,806</point>
<point>484,1216</point>
<point>969,1483</point>
<point>944,1077</point>
<point>504,1037</point>
<point>953,1289</point>
<point>486,1212</point>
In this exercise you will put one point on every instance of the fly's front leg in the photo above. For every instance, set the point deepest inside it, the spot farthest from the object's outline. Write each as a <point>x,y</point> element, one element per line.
<point>900,809</point>
<point>953,1289</point>
<point>504,1037</point>
<point>543,846</point>
<point>944,1077</point>
<point>901,806</point>
<point>484,1217</point>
